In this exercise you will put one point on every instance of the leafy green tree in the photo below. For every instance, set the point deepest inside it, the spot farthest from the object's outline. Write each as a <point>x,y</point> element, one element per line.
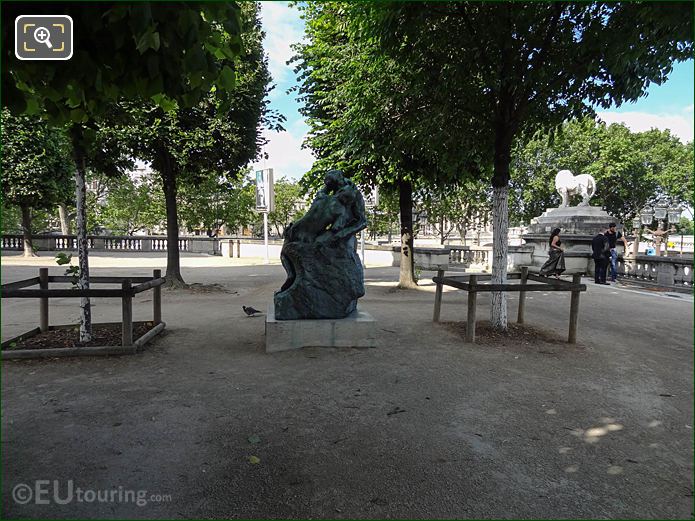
<point>631,169</point>
<point>366,118</point>
<point>215,138</point>
<point>685,226</point>
<point>214,203</point>
<point>11,217</point>
<point>132,205</point>
<point>383,218</point>
<point>511,68</point>
<point>289,204</point>
<point>454,208</point>
<point>36,168</point>
<point>170,55</point>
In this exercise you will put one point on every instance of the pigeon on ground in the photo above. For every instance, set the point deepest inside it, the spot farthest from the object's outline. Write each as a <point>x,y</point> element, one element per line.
<point>250,311</point>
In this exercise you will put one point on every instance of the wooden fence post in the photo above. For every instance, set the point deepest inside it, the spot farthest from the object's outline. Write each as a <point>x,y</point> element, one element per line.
<point>574,309</point>
<point>127,308</point>
<point>522,296</point>
<point>472,298</point>
<point>157,298</point>
<point>43,306</point>
<point>438,297</point>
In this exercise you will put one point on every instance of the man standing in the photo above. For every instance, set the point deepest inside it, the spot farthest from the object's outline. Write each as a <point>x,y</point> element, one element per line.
<point>600,251</point>
<point>613,238</point>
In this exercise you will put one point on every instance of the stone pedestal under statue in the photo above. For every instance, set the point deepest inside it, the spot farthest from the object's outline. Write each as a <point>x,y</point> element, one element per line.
<point>358,329</point>
<point>579,225</point>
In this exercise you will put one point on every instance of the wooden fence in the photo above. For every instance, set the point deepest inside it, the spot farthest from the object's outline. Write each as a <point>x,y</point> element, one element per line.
<point>126,293</point>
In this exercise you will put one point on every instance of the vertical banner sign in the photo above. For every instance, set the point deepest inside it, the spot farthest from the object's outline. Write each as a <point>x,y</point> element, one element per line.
<point>265,201</point>
<point>265,190</point>
<point>371,200</point>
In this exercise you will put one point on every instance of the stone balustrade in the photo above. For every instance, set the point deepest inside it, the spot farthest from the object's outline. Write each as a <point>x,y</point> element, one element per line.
<point>665,272</point>
<point>116,243</point>
<point>480,257</point>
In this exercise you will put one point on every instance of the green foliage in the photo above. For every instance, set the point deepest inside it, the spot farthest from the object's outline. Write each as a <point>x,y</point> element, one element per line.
<point>63,259</point>
<point>383,218</point>
<point>631,169</point>
<point>455,208</point>
<point>210,142</point>
<point>11,218</point>
<point>514,69</point>
<point>36,163</point>
<point>132,205</point>
<point>214,202</point>
<point>171,55</point>
<point>685,226</point>
<point>366,110</point>
<point>290,204</point>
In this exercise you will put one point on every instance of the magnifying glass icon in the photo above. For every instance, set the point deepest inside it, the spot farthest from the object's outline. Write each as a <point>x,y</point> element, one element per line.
<point>42,35</point>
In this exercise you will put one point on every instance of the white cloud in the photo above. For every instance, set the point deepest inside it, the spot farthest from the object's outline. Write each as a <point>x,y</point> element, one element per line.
<point>283,27</point>
<point>680,125</point>
<point>285,153</point>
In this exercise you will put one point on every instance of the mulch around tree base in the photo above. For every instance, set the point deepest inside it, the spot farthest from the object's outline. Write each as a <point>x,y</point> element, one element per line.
<point>102,335</point>
<point>521,336</point>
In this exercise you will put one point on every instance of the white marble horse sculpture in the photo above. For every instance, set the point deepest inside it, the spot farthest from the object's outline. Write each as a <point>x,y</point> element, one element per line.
<point>567,185</point>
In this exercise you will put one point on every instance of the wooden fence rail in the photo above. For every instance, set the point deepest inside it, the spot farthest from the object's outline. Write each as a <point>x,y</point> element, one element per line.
<point>125,292</point>
<point>473,285</point>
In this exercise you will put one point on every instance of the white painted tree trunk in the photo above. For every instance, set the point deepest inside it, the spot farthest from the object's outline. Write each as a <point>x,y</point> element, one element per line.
<point>500,232</point>
<point>82,251</point>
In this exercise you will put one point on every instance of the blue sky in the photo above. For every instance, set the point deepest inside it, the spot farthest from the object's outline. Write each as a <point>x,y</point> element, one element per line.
<point>666,106</point>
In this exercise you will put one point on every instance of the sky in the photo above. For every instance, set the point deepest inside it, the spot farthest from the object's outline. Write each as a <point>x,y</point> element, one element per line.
<point>666,106</point>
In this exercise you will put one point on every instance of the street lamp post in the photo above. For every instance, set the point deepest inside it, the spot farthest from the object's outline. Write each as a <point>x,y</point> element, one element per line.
<point>662,211</point>
<point>636,228</point>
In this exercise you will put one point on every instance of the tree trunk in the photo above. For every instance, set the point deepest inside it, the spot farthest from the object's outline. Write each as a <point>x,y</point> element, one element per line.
<point>26,232</point>
<point>64,221</point>
<point>82,244</point>
<point>173,274</point>
<point>406,277</point>
<point>462,233</point>
<point>500,230</point>
<point>500,223</point>
<point>442,237</point>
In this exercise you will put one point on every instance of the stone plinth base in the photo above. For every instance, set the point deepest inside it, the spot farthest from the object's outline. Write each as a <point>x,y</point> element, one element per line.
<point>579,225</point>
<point>356,330</point>
<point>572,220</point>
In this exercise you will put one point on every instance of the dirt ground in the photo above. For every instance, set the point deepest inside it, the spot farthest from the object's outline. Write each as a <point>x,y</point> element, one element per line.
<point>204,424</point>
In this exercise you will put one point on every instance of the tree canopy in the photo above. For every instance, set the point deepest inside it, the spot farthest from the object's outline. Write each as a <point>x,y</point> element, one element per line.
<point>508,68</point>
<point>140,50</point>
<point>289,204</point>
<point>215,138</point>
<point>172,56</point>
<point>631,169</point>
<point>36,167</point>
<point>36,162</point>
<point>368,113</point>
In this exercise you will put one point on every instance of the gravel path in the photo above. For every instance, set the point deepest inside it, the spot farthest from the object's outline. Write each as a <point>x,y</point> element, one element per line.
<point>424,426</point>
